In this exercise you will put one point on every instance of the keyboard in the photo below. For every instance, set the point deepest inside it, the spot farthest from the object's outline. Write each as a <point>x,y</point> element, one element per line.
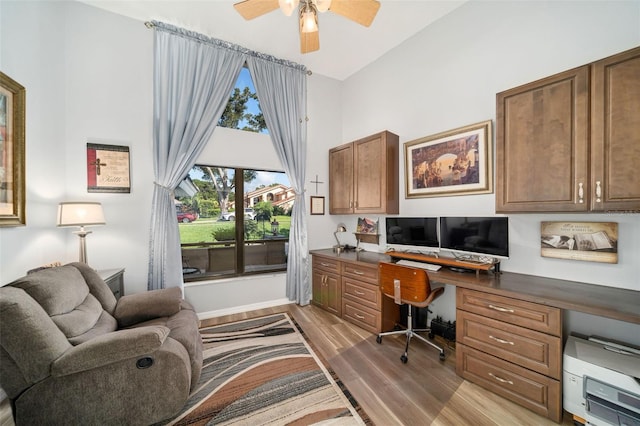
<point>421,265</point>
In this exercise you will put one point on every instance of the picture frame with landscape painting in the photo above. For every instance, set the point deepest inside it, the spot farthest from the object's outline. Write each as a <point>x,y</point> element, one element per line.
<point>455,162</point>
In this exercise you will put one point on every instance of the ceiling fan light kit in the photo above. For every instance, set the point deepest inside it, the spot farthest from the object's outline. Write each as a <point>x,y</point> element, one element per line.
<point>308,18</point>
<point>361,11</point>
<point>288,6</point>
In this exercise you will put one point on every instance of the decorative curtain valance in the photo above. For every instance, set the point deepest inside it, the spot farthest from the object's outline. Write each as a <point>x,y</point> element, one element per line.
<point>181,32</point>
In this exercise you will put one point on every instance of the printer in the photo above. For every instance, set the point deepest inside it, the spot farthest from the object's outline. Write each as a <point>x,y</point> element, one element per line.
<point>601,382</point>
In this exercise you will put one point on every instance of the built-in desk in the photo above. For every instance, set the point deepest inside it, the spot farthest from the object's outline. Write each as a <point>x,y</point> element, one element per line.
<point>508,325</point>
<point>610,302</point>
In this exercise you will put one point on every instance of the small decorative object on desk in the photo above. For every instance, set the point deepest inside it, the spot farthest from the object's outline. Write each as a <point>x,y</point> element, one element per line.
<point>367,226</point>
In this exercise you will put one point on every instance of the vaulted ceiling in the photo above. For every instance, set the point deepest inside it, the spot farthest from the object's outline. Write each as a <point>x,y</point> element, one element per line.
<point>345,46</point>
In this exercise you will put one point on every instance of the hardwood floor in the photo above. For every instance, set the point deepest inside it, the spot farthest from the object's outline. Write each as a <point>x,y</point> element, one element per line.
<point>425,391</point>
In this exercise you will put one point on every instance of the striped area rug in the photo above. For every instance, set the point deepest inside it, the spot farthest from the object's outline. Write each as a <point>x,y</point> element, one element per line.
<point>263,372</point>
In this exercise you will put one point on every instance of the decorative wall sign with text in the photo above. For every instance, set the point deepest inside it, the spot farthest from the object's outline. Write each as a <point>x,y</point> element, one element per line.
<point>108,168</point>
<point>588,241</point>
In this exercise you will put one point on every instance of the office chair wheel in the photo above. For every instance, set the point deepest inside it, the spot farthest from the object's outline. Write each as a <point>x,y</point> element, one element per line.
<point>404,359</point>
<point>431,335</point>
<point>379,339</point>
<point>441,356</point>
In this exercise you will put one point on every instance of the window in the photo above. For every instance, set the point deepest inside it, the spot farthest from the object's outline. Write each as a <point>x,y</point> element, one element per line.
<point>241,225</point>
<point>243,109</point>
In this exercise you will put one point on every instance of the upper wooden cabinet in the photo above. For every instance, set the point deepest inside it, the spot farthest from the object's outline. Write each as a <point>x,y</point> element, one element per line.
<point>363,176</point>
<point>571,142</point>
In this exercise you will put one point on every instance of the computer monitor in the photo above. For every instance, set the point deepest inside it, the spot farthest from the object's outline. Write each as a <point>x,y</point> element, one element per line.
<point>412,233</point>
<point>479,236</point>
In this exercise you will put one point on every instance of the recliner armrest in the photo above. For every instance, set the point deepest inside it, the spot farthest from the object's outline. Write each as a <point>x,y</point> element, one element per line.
<point>135,308</point>
<point>110,348</point>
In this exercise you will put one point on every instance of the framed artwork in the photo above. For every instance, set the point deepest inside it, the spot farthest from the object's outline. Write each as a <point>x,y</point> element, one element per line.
<point>456,162</point>
<point>108,168</point>
<point>12,152</point>
<point>317,205</point>
<point>367,226</point>
<point>587,241</point>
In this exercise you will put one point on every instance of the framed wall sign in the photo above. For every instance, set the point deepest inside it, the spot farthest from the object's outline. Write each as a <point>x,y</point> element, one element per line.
<point>587,241</point>
<point>108,168</point>
<point>455,162</point>
<point>12,152</point>
<point>317,205</point>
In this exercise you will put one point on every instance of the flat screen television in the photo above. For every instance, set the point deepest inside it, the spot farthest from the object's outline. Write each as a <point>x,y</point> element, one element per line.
<point>412,233</point>
<point>481,236</point>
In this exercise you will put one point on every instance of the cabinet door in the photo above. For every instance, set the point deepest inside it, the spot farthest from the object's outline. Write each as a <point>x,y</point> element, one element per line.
<point>341,179</point>
<point>369,183</point>
<point>542,145</point>
<point>317,283</point>
<point>615,140</point>
<point>375,175</point>
<point>333,294</point>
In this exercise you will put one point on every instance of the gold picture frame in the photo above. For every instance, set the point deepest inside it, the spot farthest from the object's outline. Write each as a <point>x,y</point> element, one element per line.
<point>455,162</point>
<point>12,152</point>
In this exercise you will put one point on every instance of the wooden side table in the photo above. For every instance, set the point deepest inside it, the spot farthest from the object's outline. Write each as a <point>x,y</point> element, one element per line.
<point>114,279</point>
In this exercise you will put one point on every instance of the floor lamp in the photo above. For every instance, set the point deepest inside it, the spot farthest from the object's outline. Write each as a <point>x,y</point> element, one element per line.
<point>77,213</point>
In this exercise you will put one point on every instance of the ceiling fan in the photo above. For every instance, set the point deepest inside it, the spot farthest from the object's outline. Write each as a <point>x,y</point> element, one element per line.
<point>360,11</point>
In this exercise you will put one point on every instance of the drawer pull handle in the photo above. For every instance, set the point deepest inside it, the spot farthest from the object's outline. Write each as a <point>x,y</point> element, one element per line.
<point>500,379</point>
<point>359,293</point>
<point>324,264</point>
<point>359,316</point>
<point>506,342</point>
<point>358,272</point>
<point>498,308</point>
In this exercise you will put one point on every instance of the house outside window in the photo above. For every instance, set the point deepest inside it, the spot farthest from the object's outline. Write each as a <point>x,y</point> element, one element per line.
<point>243,217</point>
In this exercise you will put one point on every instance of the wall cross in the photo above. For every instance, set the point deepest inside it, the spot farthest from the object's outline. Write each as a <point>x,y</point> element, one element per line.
<point>98,164</point>
<point>316,182</point>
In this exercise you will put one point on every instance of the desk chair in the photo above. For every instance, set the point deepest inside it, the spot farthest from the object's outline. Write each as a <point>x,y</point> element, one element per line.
<point>409,286</point>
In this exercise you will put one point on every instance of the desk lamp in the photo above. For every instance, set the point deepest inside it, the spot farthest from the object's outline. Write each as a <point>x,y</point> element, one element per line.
<point>339,248</point>
<point>77,213</point>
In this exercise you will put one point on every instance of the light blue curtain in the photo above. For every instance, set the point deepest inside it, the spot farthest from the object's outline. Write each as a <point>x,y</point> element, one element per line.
<point>282,93</point>
<point>193,78</point>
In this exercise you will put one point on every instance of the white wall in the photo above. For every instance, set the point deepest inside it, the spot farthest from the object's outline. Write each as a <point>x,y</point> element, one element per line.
<point>448,75</point>
<point>42,74</point>
<point>92,81</point>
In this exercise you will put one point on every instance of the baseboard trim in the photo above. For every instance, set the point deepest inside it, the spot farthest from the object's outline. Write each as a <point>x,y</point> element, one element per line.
<point>244,308</point>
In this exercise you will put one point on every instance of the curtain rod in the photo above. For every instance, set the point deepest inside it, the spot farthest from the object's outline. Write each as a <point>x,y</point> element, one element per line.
<point>221,43</point>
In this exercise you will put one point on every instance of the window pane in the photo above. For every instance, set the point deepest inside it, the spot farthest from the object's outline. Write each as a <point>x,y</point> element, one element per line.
<point>243,109</point>
<point>209,243</point>
<point>268,200</point>
<point>210,216</point>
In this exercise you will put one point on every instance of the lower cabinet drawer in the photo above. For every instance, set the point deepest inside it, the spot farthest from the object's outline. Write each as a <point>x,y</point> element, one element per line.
<point>362,293</point>
<point>363,317</point>
<point>329,265</point>
<point>531,315</point>
<point>537,351</point>
<point>534,391</point>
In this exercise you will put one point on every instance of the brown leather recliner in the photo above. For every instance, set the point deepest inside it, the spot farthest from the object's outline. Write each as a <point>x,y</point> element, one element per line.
<point>70,353</point>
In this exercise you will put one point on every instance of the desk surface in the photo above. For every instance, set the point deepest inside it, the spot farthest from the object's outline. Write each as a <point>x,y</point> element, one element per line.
<point>611,302</point>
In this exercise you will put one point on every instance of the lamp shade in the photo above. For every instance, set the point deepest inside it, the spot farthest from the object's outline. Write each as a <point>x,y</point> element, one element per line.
<point>77,213</point>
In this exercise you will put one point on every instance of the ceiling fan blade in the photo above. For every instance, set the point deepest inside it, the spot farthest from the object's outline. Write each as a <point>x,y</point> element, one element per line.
<point>309,42</point>
<point>360,11</point>
<point>250,9</point>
